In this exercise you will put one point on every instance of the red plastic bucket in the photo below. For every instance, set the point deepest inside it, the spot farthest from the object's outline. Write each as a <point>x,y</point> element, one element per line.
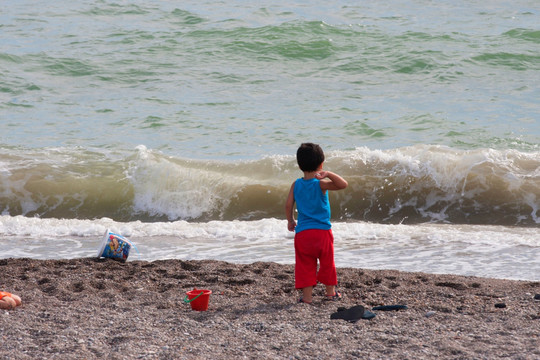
<point>198,299</point>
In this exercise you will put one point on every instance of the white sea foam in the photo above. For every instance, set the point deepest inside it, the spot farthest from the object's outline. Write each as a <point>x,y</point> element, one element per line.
<point>490,251</point>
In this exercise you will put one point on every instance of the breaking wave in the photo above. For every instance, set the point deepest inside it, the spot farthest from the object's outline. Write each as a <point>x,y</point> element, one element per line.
<point>415,184</point>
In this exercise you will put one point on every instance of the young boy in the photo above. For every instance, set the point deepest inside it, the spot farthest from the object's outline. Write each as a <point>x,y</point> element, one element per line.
<point>313,239</point>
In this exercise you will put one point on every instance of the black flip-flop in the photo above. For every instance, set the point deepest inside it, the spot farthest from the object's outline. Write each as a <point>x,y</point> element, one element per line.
<point>352,314</point>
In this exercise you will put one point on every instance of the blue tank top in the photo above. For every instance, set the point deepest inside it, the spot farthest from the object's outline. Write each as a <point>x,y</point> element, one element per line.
<point>312,205</point>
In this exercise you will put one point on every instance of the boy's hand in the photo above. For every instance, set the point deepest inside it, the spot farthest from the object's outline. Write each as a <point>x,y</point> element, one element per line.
<point>321,175</point>
<point>291,225</point>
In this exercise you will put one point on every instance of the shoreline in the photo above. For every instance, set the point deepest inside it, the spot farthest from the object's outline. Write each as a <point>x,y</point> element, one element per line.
<point>94,308</point>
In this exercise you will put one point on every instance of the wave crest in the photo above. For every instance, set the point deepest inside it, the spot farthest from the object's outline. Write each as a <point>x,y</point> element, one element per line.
<point>405,185</point>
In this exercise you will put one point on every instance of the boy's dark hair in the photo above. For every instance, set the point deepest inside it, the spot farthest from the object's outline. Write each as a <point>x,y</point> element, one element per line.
<point>309,156</point>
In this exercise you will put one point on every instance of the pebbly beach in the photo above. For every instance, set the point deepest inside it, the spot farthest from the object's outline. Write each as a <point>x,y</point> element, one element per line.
<point>90,308</point>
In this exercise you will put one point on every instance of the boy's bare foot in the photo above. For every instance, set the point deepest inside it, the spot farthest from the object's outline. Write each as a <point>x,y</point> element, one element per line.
<point>335,297</point>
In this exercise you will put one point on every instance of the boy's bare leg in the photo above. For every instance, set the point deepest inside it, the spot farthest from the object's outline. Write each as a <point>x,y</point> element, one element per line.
<point>330,290</point>
<point>307,294</point>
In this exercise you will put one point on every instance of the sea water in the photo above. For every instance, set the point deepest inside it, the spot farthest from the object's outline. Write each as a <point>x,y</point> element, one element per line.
<point>176,125</point>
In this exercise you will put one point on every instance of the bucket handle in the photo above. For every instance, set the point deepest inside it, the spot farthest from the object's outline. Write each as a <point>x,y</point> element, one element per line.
<point>187,301</point>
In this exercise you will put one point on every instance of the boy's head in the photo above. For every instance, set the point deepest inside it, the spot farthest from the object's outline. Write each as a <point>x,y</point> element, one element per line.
<point>309,157</point>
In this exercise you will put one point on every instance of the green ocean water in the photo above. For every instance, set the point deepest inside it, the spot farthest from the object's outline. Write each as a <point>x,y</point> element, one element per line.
<point>238,80</point>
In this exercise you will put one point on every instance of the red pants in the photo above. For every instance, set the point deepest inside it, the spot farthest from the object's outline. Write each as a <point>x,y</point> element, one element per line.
<point>310,246</point>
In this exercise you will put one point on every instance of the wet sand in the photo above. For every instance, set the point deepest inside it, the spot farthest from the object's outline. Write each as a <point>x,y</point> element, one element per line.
<point>99,308</point>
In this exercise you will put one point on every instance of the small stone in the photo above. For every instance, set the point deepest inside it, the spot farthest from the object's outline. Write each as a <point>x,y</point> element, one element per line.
<point>500,305</point>
<point>537,297</point>
<point>430,313</point>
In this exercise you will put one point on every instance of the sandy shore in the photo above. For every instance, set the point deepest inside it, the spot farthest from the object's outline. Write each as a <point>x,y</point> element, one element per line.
<point>90,308</point>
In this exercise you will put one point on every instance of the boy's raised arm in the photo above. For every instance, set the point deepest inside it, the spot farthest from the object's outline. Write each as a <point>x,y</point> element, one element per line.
<point>335,182</point>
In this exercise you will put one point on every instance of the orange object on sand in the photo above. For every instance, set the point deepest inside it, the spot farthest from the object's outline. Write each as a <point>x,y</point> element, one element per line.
<point>15,298</point>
